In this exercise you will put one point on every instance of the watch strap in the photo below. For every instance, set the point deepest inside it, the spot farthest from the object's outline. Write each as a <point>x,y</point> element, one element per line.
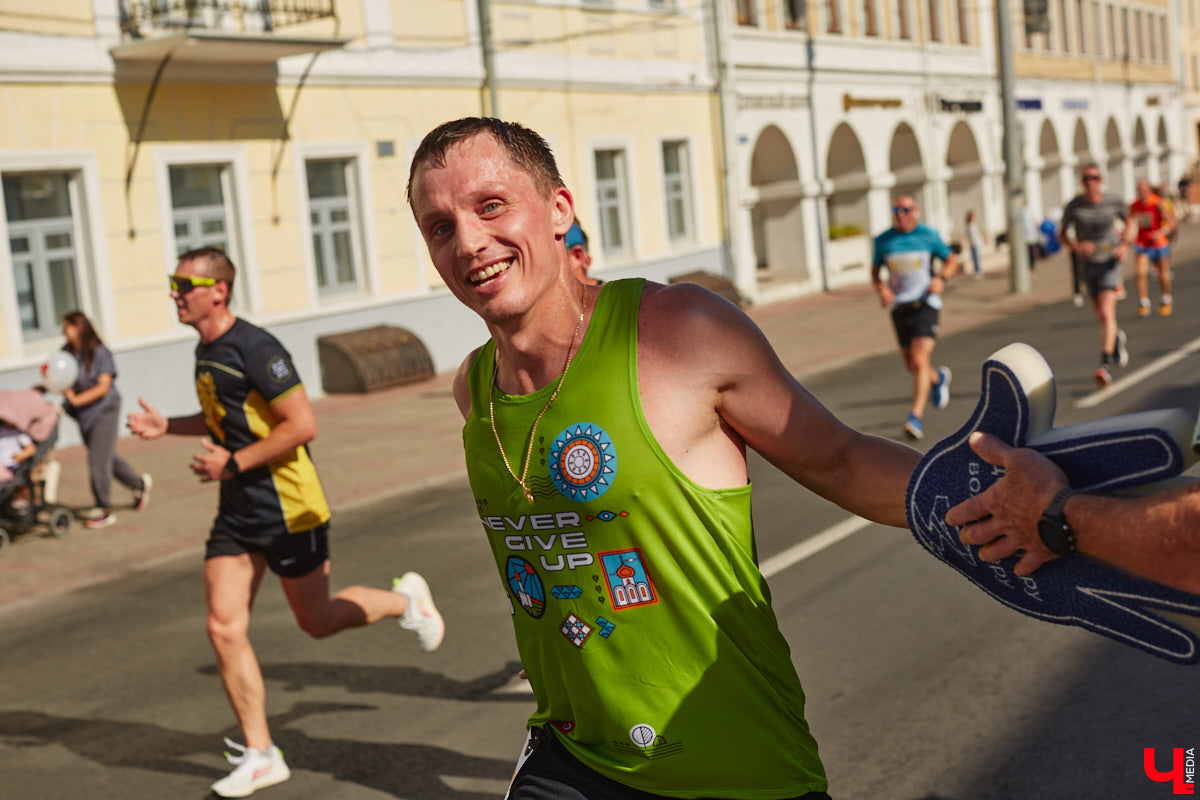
<point>1064,538</point>
<point>1055,507</point>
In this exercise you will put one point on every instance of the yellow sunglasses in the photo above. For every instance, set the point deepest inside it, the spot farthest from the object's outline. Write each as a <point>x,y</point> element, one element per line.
<point>185,283</point>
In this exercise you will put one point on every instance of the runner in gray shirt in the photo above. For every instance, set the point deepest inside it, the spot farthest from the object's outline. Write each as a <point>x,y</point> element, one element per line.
<point>1089,230</point>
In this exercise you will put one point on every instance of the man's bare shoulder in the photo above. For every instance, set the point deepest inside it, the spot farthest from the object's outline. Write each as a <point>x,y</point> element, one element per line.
<point>682,310</point>
<point>462,383</point>
<point>688,331</point>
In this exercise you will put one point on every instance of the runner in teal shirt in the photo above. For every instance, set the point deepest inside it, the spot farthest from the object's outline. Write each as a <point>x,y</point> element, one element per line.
<point>913,295</point>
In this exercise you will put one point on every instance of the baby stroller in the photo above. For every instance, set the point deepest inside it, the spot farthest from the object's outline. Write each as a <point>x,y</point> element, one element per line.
<point>25,503</point>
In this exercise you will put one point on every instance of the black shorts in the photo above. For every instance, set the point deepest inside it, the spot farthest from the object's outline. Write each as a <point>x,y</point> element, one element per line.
<point>914,319</point>
<point>289,555</point>
<point>1104,276</point>
<point>552,773</point>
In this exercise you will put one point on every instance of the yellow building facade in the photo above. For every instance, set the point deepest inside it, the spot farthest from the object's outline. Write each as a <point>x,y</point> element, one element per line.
<point>138,129</point>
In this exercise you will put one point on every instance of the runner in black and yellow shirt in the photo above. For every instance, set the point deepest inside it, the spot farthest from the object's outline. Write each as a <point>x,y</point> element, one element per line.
<point>272,511</point>
<point>240,378</point>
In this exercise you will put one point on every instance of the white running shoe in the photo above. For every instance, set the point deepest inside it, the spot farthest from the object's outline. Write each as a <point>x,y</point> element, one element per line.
<point>141,498</point>
<point>254,770</point>
<point>1122,350</point>
<point>422,615</point>
<point>103,521</point>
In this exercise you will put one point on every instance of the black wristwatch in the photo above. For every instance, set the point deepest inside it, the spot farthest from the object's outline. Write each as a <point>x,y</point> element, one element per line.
<point>231,466</point>
<point>1053,528</point>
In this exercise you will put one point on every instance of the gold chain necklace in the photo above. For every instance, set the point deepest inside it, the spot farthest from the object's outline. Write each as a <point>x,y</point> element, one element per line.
<point>553,396</point>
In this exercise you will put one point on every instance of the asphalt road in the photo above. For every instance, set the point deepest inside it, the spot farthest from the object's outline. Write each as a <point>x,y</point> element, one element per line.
<point>919,686</point>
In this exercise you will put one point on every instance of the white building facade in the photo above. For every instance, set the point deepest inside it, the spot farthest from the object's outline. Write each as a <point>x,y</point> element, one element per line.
<point>842,108</point>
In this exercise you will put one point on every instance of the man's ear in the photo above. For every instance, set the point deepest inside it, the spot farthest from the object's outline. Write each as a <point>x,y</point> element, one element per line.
<point>564,211</point>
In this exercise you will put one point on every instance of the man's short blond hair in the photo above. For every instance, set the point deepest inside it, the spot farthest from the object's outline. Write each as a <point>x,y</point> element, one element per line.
<point>212,262</point>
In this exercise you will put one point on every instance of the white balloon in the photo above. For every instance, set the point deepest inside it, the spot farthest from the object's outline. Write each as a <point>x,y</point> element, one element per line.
<point>60,371</point>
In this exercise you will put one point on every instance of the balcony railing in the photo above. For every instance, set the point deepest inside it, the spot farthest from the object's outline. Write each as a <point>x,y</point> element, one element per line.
<point>142,18</point>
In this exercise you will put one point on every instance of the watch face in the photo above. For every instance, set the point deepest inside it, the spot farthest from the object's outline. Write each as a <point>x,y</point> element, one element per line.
<point>1055,535</point>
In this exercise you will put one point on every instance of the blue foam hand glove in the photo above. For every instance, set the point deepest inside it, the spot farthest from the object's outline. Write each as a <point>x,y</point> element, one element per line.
<point>1017,405</point>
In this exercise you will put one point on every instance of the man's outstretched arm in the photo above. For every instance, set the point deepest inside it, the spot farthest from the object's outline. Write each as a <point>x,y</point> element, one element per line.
<point>149,423</point>
<point>746,389</point>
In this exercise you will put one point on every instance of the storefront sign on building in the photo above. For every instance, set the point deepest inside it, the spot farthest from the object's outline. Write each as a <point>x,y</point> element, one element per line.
<point>968,106</point>
<point>773,102</point>
<point>849,102</point>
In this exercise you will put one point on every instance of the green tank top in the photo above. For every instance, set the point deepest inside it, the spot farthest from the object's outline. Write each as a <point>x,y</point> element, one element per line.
<point>640,614</point>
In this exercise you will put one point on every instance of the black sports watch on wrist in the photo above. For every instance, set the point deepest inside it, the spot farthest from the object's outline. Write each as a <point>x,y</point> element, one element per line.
<point>231,466</point>
<point>1053,528</point>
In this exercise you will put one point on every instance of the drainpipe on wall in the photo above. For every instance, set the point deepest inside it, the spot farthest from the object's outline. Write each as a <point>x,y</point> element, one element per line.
<point>1180,101</point>
<point>1014,161</point>
<point>726,105</point>
<point>489,64</point>
<point>135,143</point>
<point>812,123</point>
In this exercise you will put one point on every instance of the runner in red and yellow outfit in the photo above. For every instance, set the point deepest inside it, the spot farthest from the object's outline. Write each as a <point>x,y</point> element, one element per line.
<point>1153,220</point>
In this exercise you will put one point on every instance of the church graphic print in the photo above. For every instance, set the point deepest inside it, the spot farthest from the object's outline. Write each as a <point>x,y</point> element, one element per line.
<point>629,584</point>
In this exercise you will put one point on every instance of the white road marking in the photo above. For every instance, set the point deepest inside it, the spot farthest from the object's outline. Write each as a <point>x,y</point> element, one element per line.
<point>1157,365</point>
<point>813,545</point>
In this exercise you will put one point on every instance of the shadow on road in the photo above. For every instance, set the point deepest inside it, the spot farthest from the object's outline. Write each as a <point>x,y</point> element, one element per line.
<point>399,680</point>
<point>401,770</point>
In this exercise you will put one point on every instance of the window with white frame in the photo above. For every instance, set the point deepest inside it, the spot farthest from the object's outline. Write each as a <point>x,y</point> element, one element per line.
<point>902,22</point>
<point>43,239</point>
<point>1126,35</point>
<point>1139,46</point>
<point>198,209</point>
<point>935,20</point>
<point>677,190</point>
<point>1152,37</point>
<point>1165,38</point>
<point>1081,25</point>
<point>831,17</point>
<point>747,12</point>
<point>333,215</point>
<point>1113,51</point>
<point>612,202</point>
<point>870,20</point>
<point>1065,25</point>
<point>794,12</point>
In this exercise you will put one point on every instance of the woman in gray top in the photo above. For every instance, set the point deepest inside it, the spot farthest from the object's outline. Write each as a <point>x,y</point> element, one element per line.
<point>96,405</point>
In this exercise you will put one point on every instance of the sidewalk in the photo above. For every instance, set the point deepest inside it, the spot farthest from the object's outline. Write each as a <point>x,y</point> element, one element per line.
<point>394,441</point>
